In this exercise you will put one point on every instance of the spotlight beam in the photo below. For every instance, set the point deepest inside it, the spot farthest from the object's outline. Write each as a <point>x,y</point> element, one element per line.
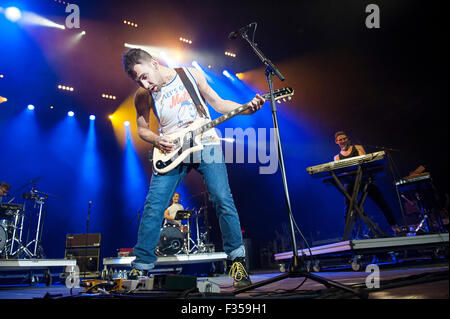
<point>31,18</point>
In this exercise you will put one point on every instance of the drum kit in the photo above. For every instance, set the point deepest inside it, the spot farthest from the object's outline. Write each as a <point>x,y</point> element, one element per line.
<point>177,239</point>
<point>12,217</point>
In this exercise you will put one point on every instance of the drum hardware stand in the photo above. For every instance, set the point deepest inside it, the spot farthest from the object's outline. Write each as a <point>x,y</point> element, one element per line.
<point>39,198</point>
<point>298,268</point>
<point>36,241</point>
<point>186,215</point>
<point>20,247</point>
<point>200,244</point>
<point>189,239</point>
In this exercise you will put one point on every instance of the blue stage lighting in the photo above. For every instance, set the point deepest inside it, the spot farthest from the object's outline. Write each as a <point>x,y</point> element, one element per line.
<point>70,113</point>
<point>31,107</point>
<point>92,117</point>
<point>13,14</point>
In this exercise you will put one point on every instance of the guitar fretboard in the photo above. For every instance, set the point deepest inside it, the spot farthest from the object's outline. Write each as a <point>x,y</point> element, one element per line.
<point>222,118</point>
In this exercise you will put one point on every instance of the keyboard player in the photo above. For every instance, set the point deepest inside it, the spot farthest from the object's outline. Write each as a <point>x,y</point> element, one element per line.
<point>347,150</point>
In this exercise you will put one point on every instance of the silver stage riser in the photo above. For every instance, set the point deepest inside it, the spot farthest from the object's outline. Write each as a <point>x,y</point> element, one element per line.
<point>30,264</point>
<point>181,259</point>
<point>371,245</point>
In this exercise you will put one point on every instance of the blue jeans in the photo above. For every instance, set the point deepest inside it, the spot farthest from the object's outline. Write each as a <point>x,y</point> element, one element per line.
<point>210,163</point>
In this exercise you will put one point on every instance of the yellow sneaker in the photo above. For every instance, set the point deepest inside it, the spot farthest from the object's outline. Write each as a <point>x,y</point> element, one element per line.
<point>239,273</point>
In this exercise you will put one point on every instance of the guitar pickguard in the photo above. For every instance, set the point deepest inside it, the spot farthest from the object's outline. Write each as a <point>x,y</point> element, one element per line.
<point>188,142</point>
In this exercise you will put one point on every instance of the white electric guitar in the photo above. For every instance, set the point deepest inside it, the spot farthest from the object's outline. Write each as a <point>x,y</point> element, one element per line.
<point>187,141</point>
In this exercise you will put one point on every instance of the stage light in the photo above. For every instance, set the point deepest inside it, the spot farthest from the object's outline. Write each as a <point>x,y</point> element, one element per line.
<point>226,73</point>
<point>111,117</point>
<point>130,23</point>
<point>1,76</point>
<point>13,14</point>
<point>70,113</point>
<point>126,123</point>
<point>92,117</point>
<point>51,107</point>
<point>3,99</point>
<point>108,96</point>
<point>240,76</point>
<point>31,107</point>
<point>66,88</point>
<point>83,32</point>
<point>185,40</point>
<point>167,59</point>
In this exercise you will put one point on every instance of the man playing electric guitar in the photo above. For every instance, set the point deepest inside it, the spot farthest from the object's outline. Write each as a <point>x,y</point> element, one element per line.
<point>163,94</point>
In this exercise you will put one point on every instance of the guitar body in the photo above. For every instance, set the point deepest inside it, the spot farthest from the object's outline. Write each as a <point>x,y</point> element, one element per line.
<point>186,142</point>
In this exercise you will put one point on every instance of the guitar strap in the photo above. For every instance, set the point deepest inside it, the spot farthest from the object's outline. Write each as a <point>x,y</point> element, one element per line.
<point>192,92</point>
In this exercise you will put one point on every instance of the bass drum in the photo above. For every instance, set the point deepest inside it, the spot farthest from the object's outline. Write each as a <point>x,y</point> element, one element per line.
<point>171,241</point>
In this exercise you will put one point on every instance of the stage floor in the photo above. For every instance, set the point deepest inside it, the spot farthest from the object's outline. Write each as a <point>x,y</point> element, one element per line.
<point>406,282</point>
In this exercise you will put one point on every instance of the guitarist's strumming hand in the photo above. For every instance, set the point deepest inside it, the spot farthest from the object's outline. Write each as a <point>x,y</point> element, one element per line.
<point>164,144</point>
<point>255,104</point>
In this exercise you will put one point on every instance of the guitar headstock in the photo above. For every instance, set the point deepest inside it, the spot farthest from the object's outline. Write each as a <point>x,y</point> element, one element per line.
<point>281,94</point>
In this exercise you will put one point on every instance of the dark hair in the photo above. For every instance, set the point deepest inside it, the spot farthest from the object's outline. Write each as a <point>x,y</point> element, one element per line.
<point>5,186</point>
<point>339,133</point>
<point>133,57</point>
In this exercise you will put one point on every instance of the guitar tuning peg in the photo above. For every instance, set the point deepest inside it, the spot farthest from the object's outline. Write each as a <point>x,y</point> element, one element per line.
<point>279,102</point>
<point>284,99</point>
<point>290,98</point>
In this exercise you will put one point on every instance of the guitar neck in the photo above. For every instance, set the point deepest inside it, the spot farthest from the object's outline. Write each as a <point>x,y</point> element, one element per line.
<point>228,116</point>
<point>223,118</point>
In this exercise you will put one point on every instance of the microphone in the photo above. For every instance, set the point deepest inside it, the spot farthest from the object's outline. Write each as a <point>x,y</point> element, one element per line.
<point>233,35</point>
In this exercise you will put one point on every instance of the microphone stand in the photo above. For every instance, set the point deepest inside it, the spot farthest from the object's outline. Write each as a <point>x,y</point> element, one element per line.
<point>298,267</point>
<point>87,242</point>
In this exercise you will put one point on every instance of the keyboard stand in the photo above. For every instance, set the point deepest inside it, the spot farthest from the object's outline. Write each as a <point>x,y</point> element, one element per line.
<point>356,206</point>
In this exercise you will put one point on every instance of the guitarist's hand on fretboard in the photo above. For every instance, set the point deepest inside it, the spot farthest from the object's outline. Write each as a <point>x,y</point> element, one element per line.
<point>255,104</point>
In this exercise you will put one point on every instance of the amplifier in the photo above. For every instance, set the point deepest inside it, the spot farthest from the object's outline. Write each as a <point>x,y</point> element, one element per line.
<point>88,260</point>
<point>83,240</point>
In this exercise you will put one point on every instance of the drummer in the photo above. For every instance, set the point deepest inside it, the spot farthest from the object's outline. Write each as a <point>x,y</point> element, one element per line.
<point>171,211</point>
<point>4,189</point>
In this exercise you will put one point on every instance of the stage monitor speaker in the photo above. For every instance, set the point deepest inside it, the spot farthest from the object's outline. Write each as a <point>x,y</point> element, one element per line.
<point>83,240</point>
<point>88,260</point>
